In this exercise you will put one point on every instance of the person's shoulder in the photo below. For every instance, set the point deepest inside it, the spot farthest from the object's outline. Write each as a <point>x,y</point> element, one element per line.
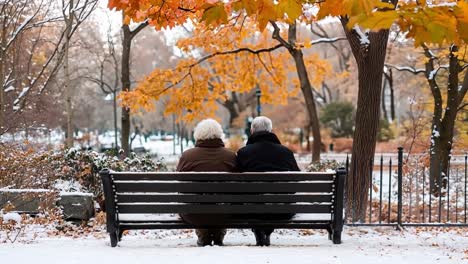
<point>229,152</point>
<point>189,152</point>
<point>244,149</point>
<point>285,149</point>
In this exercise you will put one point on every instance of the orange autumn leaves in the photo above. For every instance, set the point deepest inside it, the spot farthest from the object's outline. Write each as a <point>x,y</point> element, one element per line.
<point>427,21</point>
<point>169,13</point>
<point>192,89</point>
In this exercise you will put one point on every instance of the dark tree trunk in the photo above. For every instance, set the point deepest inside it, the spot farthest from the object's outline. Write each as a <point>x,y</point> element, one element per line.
<point>125,76</point>
<point>388,82</point>
<point>230,105</point>
<point>2,90</point>
<point>114,104</point>
<point>384,107</point>
<point>443,122</point>
<point>306,89</point>
<point>370,59</point>
<point>392,94</point>
<point>128,35</point>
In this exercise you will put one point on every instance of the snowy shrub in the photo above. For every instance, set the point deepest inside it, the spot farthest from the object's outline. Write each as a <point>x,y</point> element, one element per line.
<point>23,166</point>
<point>325,165</point>
<point>10,225</point>
<point>65,170</point>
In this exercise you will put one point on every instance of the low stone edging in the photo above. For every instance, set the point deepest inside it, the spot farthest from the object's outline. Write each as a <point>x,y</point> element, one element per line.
<point>76,206</point>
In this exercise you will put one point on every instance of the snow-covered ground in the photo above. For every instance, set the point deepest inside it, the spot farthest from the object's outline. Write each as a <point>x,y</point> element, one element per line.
<point>360,245</point>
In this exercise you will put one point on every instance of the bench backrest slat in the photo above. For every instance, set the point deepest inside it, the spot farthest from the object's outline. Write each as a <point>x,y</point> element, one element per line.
<point>221,193</point>
<point>222,187</point>
<point>222,208</point>
<point>220,176</point>
<point>221,198</point>
<point>136,200</point>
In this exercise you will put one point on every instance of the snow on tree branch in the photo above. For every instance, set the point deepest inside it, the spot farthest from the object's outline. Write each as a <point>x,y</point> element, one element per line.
<point>363,37</point>
<point>406,68</point>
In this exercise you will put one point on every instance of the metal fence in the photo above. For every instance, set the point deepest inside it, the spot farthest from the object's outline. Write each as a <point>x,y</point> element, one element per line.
<point>400,195</point>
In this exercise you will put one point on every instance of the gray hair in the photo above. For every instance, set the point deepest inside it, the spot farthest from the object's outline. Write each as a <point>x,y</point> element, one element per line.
<point>208,129</point>
<point>261,123</point>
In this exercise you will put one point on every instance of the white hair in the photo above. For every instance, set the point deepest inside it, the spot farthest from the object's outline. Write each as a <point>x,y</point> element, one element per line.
<point>261,123</point>
<point>208,129</point>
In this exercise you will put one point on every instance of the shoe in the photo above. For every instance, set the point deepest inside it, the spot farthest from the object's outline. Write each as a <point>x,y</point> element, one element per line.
<point>204,237</point>
<point>218,243</point>
<point>218,236</point>
<point>203,242</point>
<point>266,241</point>
<point>259,237</point>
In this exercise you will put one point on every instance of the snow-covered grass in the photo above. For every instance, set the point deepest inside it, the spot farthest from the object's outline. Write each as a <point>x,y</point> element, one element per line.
<point>360,245</point>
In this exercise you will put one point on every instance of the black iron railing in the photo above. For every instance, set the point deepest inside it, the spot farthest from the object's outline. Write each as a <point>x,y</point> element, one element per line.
<point>400,193</point>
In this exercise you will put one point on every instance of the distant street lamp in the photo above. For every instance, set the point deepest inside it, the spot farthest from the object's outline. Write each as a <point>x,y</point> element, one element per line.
<point>258,93</point>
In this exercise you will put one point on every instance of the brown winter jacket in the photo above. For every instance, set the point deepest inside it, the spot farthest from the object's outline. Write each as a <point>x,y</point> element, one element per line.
<point>207,155</point>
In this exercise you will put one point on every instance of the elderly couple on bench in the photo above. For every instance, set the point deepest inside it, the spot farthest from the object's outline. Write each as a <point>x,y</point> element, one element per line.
<point>262,153</point>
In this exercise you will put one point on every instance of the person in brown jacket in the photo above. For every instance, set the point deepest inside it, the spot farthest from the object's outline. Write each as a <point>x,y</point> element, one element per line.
<point>209,154</point>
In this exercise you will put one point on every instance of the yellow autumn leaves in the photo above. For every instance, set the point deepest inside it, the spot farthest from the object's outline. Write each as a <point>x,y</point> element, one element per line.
<point>192,89</point>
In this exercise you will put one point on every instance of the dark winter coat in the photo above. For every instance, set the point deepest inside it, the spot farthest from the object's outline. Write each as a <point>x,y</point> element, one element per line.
<point>264,152</point>
<point>207,155</point>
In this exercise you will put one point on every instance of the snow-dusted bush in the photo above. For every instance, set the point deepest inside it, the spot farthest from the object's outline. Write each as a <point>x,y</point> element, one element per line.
<point>325,165</point>
<point>23,167</point>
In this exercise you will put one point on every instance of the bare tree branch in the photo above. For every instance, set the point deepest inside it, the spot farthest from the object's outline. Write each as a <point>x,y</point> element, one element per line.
<point>406,68</point>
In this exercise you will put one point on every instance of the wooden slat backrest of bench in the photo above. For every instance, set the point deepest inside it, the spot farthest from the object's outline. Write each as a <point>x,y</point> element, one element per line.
<point>221,198</point>
<point>220,193</point>
<point>223,208</point>
<point>133,194</point>
<point>223,176</point>
<point>221,187</point>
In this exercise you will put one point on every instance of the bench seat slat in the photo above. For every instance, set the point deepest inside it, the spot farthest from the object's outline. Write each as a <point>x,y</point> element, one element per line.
<point>180,176</point>
<point>221,187</point>
<point>223,198</point>
<point>222,208</point>
<point>318,225</point>
<point>253,221</point>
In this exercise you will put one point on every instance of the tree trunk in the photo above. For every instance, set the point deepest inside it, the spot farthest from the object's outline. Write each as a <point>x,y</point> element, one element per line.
<point>392,95</point>
<point>443,122</point>
<point>125,75</point>
<point>370,59</point>
<point>230,105</point>
<point>116,138</point>
<point>128,35</point>
<point>67,85</point>
<point>306,89</point>
<point>384,107</point>
<point>2,91</point>
<point>3,64</point>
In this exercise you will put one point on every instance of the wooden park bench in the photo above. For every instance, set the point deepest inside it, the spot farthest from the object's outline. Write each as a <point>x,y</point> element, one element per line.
<point>153,200</point>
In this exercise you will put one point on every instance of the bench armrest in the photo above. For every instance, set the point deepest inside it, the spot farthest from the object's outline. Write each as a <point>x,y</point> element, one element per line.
<point>339,197</point>
<point>109,196</point>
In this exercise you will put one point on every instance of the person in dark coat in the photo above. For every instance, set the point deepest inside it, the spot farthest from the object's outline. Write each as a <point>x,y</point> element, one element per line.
<point>209,154</point>
<point>264,152</point>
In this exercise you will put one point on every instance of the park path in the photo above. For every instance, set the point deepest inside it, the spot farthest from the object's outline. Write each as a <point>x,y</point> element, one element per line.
<point>360,245</point>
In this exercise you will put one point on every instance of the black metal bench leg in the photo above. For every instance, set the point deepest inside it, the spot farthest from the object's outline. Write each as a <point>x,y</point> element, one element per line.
<point>336,237</point>
<point>120,235</point>
<point>113,238</point>
<point>330,233</point>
